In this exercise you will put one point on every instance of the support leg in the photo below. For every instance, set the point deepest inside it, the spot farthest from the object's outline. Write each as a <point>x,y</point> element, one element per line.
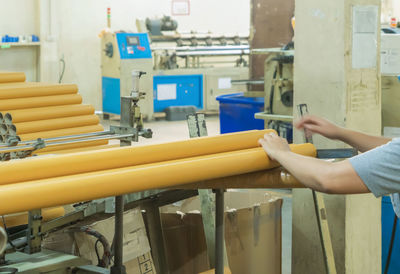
<point>118,267</point>
<point>219,231</point>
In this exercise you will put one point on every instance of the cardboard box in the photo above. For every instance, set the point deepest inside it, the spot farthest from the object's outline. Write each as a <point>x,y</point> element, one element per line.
<point>137,256</point>
<point>252,234</point>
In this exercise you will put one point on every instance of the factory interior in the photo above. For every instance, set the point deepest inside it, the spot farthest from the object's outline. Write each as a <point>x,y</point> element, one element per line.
<point>200,136</point>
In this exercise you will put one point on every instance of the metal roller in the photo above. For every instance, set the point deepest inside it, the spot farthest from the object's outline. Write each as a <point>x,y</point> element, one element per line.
<point>69,147</point>
<point>61,132</point>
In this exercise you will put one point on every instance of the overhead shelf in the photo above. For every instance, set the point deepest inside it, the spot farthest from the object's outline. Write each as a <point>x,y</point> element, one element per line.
<point>18,44</point>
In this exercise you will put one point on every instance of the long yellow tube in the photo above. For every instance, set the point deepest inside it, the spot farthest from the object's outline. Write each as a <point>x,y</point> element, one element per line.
<point>79,149</point>
<point>275,178</point>
<point>55,149</point>
<point>32,169</point>
<point>23,90</point>
<point>48,214</point>
<point>44,113</point>
<point>61,132</point>
<point>10,77</point>
<point>36,102</point>
<point>82,187</point>
<point>53,124</point>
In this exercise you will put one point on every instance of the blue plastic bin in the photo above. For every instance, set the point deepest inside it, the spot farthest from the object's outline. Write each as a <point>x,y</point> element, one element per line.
<point>387,226</point>
<point>236,112</point>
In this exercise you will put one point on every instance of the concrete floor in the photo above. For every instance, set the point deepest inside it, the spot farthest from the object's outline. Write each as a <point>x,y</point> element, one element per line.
<point>167,131</point>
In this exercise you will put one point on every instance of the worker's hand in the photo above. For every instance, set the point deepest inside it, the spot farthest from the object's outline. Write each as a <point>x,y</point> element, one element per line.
<point>314,124</point>
<point>274,145</point>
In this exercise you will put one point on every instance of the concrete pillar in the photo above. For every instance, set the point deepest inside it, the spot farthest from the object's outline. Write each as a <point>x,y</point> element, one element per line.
<point>337,74</point>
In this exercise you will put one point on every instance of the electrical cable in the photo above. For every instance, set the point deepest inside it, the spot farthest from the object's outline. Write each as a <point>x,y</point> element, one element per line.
<point>97,252</point>
<point>62,61</point>
<point>391,244</point>
<point>271,94</point>
<point>104,261</point>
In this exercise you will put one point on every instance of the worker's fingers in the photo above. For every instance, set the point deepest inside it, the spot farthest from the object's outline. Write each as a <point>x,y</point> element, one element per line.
<point>308,119</point>
<point>270,134</point>
<point>313,128</point>
<point>264,144</point>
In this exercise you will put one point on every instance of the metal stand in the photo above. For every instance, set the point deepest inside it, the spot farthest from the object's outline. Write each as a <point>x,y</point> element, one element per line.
<point>118,267</point>
<point>219,231</point>
<point>34,231</point>
<point>131,122</point>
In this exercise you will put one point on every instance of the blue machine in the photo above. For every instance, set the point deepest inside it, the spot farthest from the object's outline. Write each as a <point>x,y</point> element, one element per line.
<point>123,53</point>
<point>177,90</point>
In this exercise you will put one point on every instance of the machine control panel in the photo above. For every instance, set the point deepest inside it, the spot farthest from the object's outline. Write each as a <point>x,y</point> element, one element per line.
<point>134,45</point>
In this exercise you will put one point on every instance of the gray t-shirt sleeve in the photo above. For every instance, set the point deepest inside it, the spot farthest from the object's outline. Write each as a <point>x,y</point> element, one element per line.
<point>379,168</point>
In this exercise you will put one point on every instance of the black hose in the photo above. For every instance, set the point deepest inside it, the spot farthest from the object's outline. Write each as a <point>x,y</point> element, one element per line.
<point>391,244</point>
<point>63,70</point>
<point>271,95</point>
<point>104,261</point>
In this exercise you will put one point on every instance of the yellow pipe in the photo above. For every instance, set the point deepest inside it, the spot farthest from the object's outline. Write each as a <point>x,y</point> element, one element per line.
<point>32,169</point>
<point>48,214</point>
<point>56,149</point>
<point>44,113</point>
<point>260,179</point>
<point>37,102</point>
<point>53,124</point>
<point>80,149</point>
<point>56,191</point>
<point>61,132</point>
<point>10,77</point>
<point>22,90</point>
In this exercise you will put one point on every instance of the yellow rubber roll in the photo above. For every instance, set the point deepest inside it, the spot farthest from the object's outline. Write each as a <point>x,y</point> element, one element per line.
<point>32,169</point>
<point>61,132</point>
<point>36,102</point>
<point>48,214</point>
<point>53,124</point>
<point>55,149</point>
<point>23,90</point>
<point>11,77</point>
<point>79,149</point>
<point>56,191</point>
<point>45,113</point>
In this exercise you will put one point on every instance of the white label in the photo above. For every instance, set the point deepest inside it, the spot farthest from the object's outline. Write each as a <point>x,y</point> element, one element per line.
<point>180,7</point>
<point>365,25</point>
<point>166,92</point>
<point>391,132</point>
<point>224,83</point>
<point>390,54</point>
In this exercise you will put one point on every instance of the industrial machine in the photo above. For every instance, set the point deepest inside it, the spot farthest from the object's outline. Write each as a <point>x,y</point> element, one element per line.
<point>121,54</point>
<point>181,69</point>
<point>278,90</point>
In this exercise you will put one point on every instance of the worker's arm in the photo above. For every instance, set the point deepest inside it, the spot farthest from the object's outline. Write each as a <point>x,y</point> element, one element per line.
<point>358,140</point>
<point>323,176</point>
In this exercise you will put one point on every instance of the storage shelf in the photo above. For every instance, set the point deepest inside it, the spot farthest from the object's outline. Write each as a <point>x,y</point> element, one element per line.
<point>18,44</point>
